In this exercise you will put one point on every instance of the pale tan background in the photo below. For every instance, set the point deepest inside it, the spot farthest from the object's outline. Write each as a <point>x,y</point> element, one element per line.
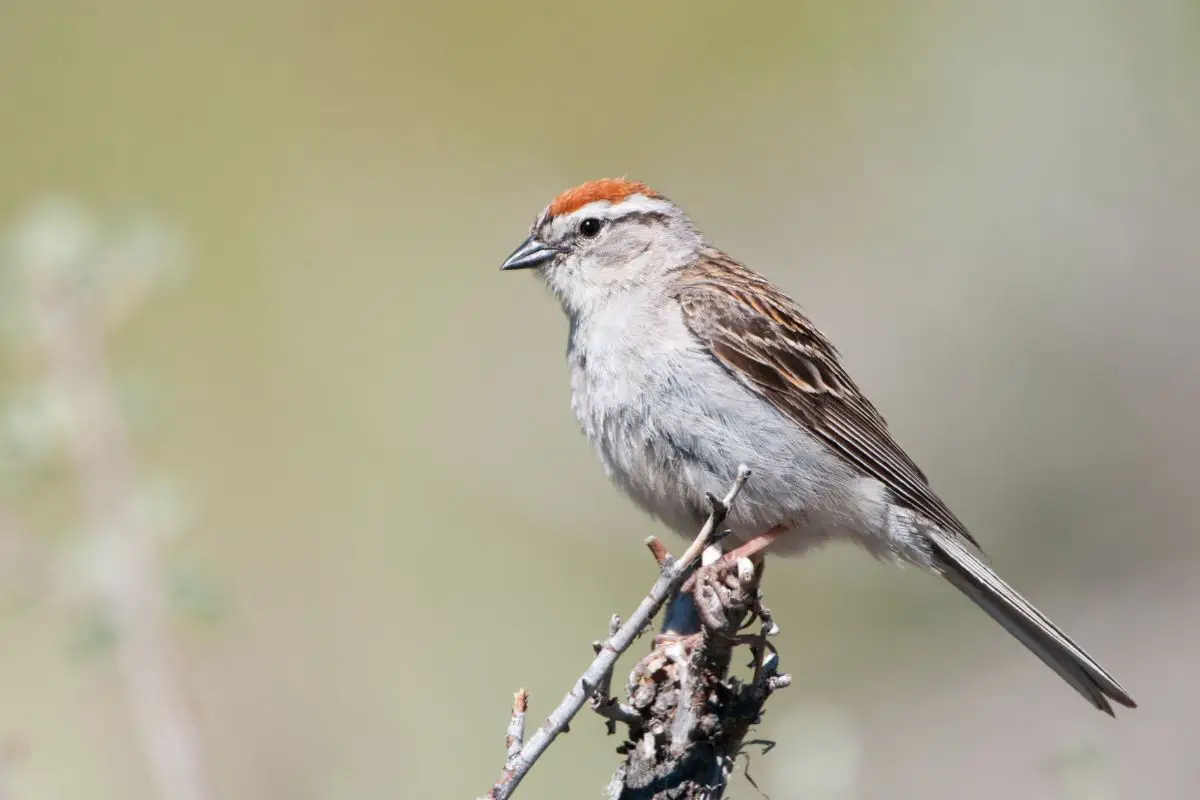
<point>994,208</point>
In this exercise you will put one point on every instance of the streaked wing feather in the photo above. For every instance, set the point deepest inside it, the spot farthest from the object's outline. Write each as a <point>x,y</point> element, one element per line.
<point>759,335</point>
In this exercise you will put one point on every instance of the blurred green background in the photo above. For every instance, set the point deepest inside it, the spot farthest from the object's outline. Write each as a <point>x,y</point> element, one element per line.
<point>379,516</point>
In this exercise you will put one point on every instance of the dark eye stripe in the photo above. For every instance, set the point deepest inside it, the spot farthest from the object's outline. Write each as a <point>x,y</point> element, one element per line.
<point>645,216</point>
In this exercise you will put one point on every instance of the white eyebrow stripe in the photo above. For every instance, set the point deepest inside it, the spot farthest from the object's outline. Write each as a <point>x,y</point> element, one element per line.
<point>634,204</point>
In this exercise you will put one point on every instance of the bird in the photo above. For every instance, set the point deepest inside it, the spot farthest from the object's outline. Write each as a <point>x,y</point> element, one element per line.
<point>686,364</point>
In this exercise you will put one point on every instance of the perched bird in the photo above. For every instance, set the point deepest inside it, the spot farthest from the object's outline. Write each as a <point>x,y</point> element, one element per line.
<point>685,364</point>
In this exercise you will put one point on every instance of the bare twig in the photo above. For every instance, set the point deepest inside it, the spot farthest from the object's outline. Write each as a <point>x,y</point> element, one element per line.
<point>602,701</point>
<point>516,725</point>
<point>657,550</point>
<point>671,575</point>
<point>615,711</point>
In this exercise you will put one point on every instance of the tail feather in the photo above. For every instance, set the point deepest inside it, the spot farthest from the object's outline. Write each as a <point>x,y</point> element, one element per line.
<point>1002,603</point>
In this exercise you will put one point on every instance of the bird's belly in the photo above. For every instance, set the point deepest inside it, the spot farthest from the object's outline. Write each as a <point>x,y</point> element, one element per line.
<point>666,444</point>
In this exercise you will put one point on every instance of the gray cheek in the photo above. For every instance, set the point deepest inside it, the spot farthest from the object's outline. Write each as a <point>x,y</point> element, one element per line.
<point>606,259</point>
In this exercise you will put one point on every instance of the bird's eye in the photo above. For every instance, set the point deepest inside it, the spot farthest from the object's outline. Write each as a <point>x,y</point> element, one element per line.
<point>589,227</point>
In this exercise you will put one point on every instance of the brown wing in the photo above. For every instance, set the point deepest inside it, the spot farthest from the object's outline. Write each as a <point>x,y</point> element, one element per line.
<point>759,335</point>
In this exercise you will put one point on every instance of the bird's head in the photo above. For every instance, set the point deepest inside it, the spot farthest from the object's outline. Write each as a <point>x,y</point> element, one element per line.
<point>603,238</point>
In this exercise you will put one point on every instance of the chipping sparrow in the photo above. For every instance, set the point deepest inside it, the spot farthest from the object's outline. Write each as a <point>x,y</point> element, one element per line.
<point>685,364</point>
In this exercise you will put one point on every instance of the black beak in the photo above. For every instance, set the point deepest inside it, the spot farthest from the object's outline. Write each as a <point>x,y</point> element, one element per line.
<point>531,253</point>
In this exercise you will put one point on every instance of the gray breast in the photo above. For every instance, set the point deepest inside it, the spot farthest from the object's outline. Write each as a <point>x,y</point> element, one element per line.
<point>670,424</point>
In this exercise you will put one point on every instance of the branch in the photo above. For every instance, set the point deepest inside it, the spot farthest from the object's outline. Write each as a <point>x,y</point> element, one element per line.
<point>602,702</point>
<point>671,575</point>
<point>693,716</point>
<point>516,725</point>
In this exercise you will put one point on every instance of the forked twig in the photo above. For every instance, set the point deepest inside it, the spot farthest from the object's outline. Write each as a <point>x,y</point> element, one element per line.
<point>670,577</point>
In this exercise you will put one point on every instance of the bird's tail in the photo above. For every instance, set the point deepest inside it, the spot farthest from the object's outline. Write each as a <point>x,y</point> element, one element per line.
<point>977,581</point>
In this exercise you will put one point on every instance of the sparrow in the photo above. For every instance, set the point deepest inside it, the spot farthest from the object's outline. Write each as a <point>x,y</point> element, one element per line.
<point>685,364</point>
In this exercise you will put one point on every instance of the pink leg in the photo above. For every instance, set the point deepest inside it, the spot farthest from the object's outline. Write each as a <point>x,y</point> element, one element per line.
<point>756,545</point>
<point>752,549</point>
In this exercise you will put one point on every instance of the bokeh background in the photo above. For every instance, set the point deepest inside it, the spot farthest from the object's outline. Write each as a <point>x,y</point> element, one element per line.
<point>364,514</point>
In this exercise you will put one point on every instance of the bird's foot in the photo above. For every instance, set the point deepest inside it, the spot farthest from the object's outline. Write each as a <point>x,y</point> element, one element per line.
<point>754,548</point>
<point>720,587</point>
